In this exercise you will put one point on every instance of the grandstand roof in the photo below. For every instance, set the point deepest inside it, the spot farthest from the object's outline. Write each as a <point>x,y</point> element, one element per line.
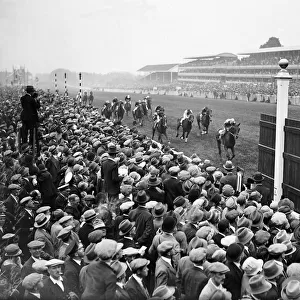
<point>158,68</point>
<point>224,55</point>
<point>271,50</point>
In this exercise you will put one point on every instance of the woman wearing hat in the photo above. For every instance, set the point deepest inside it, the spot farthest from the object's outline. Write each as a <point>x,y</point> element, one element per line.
<point>10,271</point>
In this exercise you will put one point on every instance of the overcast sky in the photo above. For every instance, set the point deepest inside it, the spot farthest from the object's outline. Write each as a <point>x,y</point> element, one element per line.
<point>124,35</point>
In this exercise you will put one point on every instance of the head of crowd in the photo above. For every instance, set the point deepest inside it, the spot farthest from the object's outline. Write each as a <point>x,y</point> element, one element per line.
<point>100,211</point>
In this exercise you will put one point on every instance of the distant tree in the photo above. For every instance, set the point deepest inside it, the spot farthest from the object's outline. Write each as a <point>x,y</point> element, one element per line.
<point>272,42</point>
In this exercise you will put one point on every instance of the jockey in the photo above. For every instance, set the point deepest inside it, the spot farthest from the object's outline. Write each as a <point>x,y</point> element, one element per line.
<point>186,114</point>
<point>137,104</point>
<point>159,113</point>
<point>227,125</point>
<point>204,110</point>
<point>128,98</point>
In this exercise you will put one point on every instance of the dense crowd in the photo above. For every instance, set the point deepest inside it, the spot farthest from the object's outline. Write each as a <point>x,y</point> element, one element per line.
<point>252,60</point>
<point>99,211</point>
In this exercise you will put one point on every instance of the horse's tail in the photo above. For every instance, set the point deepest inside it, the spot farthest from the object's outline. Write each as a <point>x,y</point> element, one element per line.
<point>219,143</point>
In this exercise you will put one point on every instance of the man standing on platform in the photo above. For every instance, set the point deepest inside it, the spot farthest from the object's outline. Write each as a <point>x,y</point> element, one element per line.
<point>29,114</point>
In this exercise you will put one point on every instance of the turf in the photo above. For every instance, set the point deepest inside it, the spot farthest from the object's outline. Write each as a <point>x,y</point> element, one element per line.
<point>246,113</point>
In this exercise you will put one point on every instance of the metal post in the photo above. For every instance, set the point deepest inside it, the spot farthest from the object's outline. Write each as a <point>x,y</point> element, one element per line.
<point>79,88</point>
<point>55,82</point>
<point>283,80</point>
<point>66,91</point>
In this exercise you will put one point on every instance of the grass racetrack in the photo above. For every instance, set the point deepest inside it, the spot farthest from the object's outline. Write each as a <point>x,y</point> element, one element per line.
<point>246,113</point>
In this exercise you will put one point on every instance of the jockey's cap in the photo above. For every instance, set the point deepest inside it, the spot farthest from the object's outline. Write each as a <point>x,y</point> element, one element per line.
<point>106,102</point>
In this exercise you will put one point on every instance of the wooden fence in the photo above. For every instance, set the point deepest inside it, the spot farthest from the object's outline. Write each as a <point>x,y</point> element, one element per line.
<point>291,155</point>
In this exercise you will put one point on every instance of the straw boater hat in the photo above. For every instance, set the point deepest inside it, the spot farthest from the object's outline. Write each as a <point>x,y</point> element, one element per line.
<point>41,220</point>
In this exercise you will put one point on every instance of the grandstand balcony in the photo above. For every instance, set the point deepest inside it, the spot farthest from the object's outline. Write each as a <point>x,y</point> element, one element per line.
<point>166,73</point>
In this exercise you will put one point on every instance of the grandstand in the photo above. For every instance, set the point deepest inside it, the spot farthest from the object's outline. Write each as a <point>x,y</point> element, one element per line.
<point>166,73</point>
<point>258,66</point>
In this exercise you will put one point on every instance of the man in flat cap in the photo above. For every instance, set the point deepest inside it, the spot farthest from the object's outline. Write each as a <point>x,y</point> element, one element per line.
<point>135,286</point>
<point>165,274</point>
<point>217,272</point>
<point>32,284</point>
<point>100,279</point>
<point>55,286</point>
<point>73,265</point>
<point>35,248</point>
<point>172,187</point>
<point>194,279</point>
<point>12,201</point>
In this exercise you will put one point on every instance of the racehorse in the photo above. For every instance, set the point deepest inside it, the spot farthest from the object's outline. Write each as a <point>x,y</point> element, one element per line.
<point>106,111</point>
<point>228,140</point>
<point>144,108</point>
<point>204,121</point>
<point>186,127</point>
<point>161,128</point>
<point>127,107</point>
<point>138,115</point>
<point>119,111</point>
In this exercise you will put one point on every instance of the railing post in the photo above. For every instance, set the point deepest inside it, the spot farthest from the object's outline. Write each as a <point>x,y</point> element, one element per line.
<point>283,80</point>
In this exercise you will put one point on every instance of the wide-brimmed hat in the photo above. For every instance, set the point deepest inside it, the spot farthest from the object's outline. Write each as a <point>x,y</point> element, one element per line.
<point>141,197</point>
<point>252,266</point>
<point>164,292</point>
<point>89,215</point>
<point>159,210</point>
<point>258,177</point>
<point>119,268</point>
<point>12,250</point>
<point>258,285</point>
<point>272,269</point>
<point>291,291</point>
<point>244,235</point>
<point>41,220</point>
<point>29,89</point>
<point>125,227</point>
<point>154,181</point>
<point>112,149</point>
<point>281,236</point>
<point>290,248</point>
<point>228,166</point>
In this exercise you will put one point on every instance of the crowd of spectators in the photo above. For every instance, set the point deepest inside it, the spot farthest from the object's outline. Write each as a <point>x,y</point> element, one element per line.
<point>104,212</point>
<point>252,60</point>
